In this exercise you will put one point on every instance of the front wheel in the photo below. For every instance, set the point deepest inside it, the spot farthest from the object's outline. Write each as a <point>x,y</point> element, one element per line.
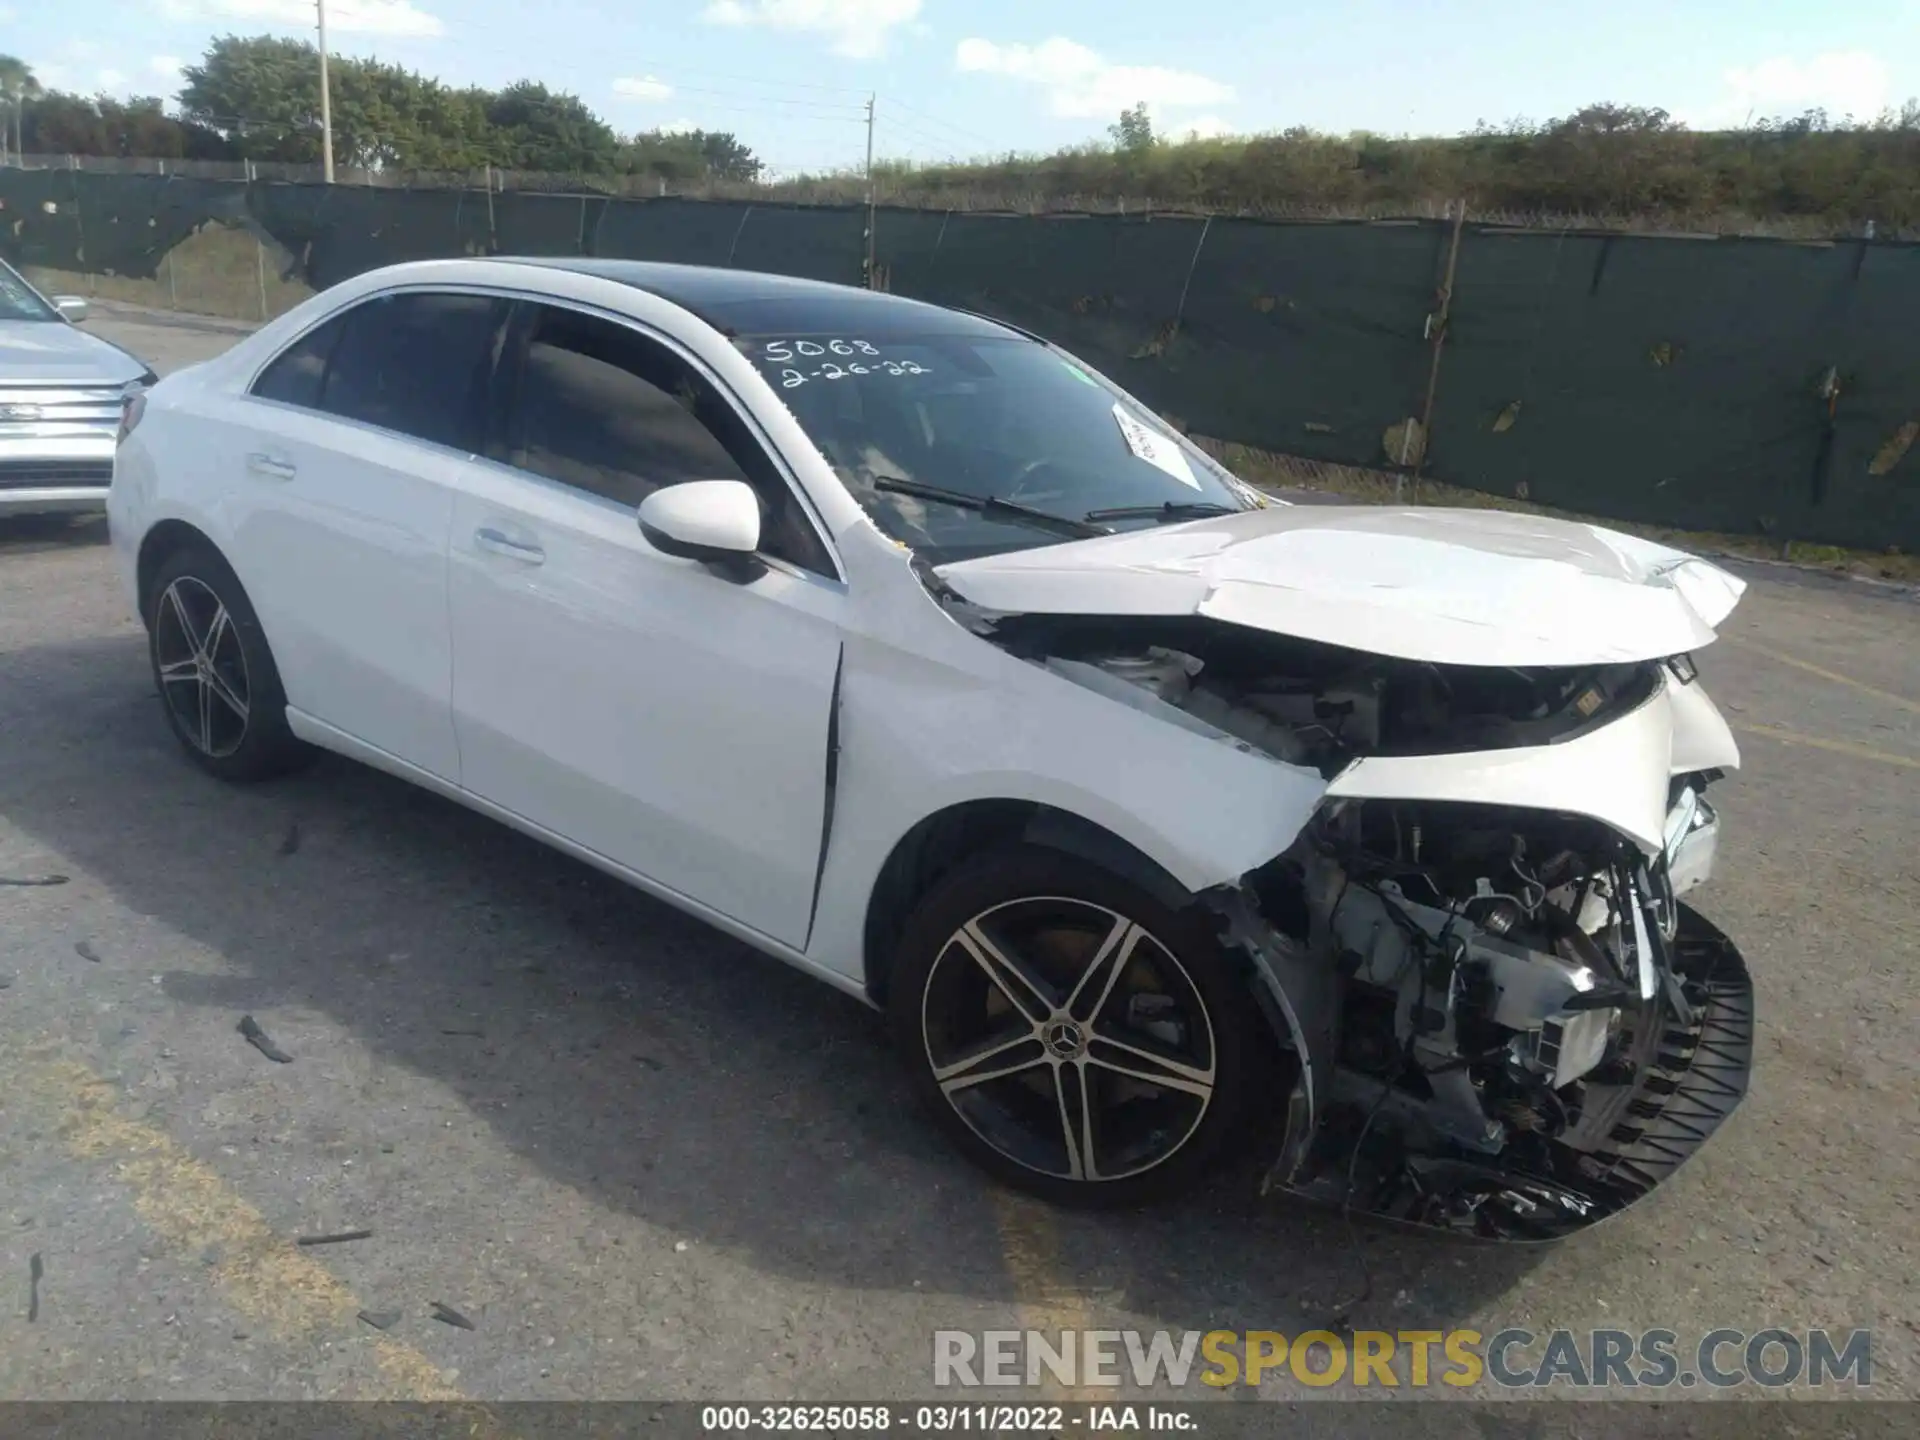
<point>216,677</point>
<point>1071,1034</point>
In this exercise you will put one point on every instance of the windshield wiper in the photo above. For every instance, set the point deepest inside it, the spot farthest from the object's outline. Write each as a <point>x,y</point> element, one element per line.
<point>1172,510</point>
<point>989,505</point>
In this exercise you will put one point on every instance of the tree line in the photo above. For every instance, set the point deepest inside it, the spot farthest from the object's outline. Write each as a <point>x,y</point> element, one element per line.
<point>1604,161</point>
<point>258,98</point>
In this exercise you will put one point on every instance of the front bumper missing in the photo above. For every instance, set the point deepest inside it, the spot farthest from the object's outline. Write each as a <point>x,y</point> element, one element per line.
<point>1694,1074</point>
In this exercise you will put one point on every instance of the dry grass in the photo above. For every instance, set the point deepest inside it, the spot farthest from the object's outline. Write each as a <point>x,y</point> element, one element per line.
<point>1375,487</point>
<point>216,271</point>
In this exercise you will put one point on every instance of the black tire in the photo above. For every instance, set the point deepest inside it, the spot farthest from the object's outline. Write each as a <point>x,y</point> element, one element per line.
<point>939,992</point>
<point>192,589</point>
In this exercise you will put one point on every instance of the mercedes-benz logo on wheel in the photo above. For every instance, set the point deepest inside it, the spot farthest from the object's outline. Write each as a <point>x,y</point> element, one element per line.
<point>1063,1039</point>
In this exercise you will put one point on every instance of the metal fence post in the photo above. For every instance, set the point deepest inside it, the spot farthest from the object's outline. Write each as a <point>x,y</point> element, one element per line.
<point>259,250</point>
<point>79,222</point>
<point>1437,323</point>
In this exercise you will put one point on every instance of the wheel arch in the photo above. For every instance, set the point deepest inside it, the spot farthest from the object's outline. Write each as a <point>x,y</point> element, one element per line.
<point>945,838</point>
<point>167,537</point>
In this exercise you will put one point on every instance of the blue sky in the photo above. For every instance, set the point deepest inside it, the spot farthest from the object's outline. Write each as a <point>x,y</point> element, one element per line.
<point>973,76</point>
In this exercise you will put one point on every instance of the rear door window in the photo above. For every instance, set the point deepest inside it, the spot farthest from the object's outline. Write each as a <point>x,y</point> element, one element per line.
<point>416,363</point>
<point>296,375</point>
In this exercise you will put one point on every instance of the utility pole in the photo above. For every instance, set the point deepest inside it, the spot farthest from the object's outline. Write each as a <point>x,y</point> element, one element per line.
<point>870,196</point>
<point>326,99</point>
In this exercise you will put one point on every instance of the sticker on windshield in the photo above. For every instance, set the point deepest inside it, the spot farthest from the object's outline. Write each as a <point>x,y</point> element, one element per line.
<point>1082,376</point>
<point>1154,448</point>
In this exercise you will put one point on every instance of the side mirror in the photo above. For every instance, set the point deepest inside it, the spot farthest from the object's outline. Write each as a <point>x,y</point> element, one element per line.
<point>71,307</point>
<point>706,520</point>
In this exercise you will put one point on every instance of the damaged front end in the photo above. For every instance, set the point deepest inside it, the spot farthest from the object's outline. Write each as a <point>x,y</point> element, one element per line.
<point>1505,1022</point>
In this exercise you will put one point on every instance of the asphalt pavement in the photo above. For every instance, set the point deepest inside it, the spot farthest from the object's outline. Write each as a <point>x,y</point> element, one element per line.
<point>645,1162</point>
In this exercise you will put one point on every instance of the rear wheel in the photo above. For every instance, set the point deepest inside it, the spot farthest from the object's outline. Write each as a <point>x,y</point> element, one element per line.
<point>1070,1033</point>
<point>217,681</point>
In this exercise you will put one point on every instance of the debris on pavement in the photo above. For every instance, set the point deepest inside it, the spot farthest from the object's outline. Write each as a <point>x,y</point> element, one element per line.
<point>35,1273</point>
<point>33,880</point>
<point>338,1239</point>
<point>292,842</point>
<point>474,1034</point>
<point>262,1042</point>
<point>5,981</point>
<point>85,951</point>
<point>380,1319</point>
<point>447,1315</point>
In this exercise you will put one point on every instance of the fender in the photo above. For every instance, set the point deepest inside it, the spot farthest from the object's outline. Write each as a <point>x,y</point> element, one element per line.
<point>1701,737</point>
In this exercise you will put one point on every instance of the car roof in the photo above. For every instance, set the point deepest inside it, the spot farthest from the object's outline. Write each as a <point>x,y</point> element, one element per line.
<point>749,302</point>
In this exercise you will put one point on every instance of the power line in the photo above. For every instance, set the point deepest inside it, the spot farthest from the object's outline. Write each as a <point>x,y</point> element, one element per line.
<point>601,83</point>
<point>961,130</point>
<point>465,23</point>
<point>939,143</point>
<point>824,105</point>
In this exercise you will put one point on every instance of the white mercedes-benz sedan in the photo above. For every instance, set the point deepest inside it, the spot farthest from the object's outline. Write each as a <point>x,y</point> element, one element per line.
<point>1159,818</point>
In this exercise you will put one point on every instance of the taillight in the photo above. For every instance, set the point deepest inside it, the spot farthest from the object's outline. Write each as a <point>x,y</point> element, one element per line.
<point>133,404</point>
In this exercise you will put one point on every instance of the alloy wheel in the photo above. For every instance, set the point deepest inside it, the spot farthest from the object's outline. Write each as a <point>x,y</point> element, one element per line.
<point>1068,1038</point>
<point>201,667</point>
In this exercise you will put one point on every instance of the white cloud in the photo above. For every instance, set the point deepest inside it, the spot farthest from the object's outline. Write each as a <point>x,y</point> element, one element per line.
<point>643,88</point>
<point>82,79</point>
<point>1081,83</point>
<point>364,17</point>
<point>1203,127</point>
<point>679,127</point>
<point>1841,82</point>
<point>857,28</point>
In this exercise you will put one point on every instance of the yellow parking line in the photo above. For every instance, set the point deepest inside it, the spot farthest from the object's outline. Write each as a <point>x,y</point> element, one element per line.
<point>1838,747</point>
<point>1031,1246</point>
<point>1782,658</point>
<point>260,1274</point>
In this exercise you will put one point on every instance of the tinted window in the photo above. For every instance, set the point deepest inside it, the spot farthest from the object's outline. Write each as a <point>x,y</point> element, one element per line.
<point>415,363</point>
<point>605,410</point>
<point>296,375</point>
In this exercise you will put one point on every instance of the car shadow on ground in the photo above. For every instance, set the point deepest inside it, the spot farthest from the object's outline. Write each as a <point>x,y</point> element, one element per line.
<point>26,534</point>
<point>625,1050</point>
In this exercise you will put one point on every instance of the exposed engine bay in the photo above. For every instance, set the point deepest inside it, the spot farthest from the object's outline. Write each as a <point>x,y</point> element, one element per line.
<point>1318,705</point>
<point>1505,1022</point>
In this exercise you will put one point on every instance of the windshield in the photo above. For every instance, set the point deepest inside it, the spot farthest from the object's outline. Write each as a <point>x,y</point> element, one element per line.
<point>1011,431</point>
<point>19,300</point>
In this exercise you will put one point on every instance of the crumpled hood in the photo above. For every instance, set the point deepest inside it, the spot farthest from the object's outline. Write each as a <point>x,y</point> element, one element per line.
<point>1454,587</point>
<point>41,352</point>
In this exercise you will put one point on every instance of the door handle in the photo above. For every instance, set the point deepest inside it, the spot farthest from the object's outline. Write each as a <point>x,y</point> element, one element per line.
<point>271,466</point>
<point>489,539</point>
